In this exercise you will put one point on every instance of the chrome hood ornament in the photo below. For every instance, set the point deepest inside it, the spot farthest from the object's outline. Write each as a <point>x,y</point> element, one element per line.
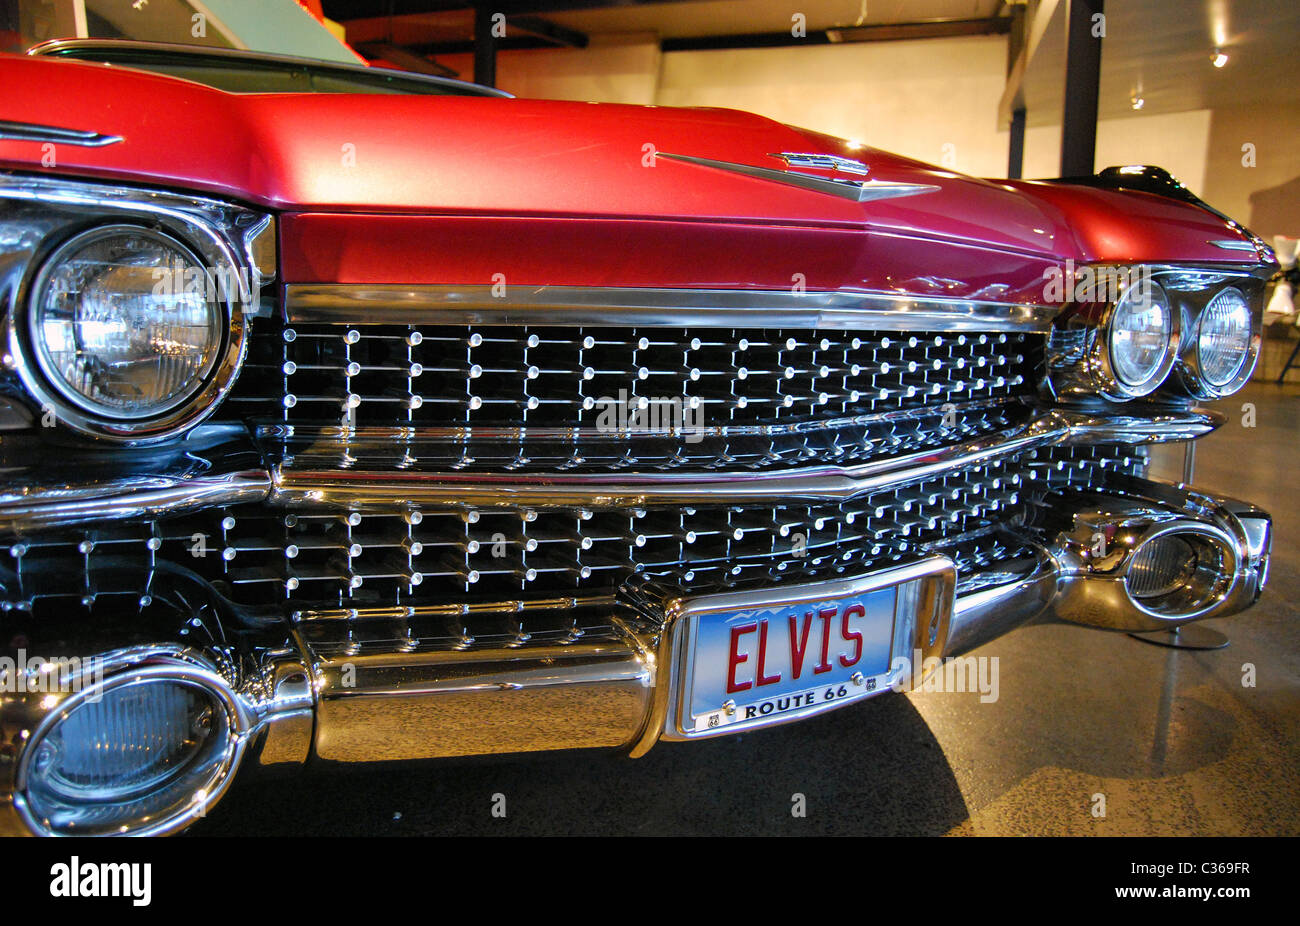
<point>798,172</point>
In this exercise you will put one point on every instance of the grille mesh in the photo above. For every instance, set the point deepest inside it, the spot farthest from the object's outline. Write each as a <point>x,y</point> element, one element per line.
<point>261,556</point>
<point>533,398</point>
<point>547,398</point>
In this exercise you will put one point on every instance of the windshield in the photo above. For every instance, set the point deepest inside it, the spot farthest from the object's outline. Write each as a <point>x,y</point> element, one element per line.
<point>27,22</point>
<point>277,26</point>
<point>250,72</point>
<point>239,46</point>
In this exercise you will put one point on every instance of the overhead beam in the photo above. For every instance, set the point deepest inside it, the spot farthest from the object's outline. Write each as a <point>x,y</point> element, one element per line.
<point>547,30</point>
<point>891,32</point>
<point>927,29</point>
<point>404,58</point>
<point>342,10</point>
<point>1083,38</point>
<point>1013,95</point>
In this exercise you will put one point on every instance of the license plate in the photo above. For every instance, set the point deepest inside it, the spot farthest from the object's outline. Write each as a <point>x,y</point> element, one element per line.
<point>756,658</point>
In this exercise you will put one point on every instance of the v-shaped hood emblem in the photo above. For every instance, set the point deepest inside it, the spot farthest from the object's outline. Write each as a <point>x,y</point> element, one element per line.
<point>859,190</point>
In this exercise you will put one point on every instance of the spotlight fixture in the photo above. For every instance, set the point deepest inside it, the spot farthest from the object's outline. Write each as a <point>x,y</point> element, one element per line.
<point>1220,58</point>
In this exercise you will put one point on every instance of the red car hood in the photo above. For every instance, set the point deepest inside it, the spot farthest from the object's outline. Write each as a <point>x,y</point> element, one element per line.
<point>470,154</point>
<point>396,156</point>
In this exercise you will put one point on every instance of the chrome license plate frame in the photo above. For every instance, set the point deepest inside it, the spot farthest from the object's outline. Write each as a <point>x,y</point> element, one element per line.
<point>906,609</point>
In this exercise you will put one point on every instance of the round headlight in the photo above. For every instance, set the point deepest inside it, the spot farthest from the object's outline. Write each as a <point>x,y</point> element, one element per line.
<point>122,323</point>
<point>1223,338</point>
<point>1141,339</point>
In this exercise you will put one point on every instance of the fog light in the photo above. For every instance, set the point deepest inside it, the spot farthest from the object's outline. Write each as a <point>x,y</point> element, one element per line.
<point>1161,566</point>
<point>142,751</point>
<point>1180,573</point>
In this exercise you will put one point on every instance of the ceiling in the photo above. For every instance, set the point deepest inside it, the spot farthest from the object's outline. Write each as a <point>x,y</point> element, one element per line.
<point>739,17</point>
<point>434,22</point>
<point>1160,52</point>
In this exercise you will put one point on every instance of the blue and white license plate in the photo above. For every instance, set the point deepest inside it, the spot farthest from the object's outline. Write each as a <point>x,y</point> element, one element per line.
<point>755,658</point>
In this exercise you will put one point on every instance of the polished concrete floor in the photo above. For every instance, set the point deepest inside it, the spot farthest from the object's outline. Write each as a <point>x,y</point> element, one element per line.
<point>1173,741</point>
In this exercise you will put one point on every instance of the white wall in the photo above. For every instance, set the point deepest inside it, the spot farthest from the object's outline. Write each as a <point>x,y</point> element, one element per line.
<point>934,99</point>
<point>611,69</point>
<point>1175,141</point>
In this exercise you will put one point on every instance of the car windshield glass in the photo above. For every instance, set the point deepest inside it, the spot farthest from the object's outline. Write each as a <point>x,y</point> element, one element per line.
<point>250,74</point>
<point>181,38</point>
<point>24,23</point>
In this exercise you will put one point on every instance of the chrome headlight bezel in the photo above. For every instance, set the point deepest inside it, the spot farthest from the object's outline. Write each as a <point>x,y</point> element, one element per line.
<point>1190,366</point>
<point>46,214</point>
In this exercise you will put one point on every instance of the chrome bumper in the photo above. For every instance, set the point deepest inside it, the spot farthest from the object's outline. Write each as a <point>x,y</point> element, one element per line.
<point>343,690</point>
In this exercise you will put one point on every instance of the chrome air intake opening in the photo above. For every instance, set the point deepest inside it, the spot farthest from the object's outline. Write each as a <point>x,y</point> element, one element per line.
<point>1180,572</point>
<point>144,751</point>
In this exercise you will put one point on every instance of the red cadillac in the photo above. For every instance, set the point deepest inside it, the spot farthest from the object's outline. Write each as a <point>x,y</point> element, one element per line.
<point>351,415</point>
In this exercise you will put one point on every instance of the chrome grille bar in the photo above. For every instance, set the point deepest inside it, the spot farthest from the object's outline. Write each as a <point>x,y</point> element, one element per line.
<point>373,304</point>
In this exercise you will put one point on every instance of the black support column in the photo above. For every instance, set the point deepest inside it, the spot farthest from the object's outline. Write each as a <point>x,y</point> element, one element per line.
<point>1082,80</point>
<point>485,48</point>
<point>1016,148</point>
<point>1015,45</point>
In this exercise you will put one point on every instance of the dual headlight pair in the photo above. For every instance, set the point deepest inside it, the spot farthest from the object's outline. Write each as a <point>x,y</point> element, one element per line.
<point>1145,336</point>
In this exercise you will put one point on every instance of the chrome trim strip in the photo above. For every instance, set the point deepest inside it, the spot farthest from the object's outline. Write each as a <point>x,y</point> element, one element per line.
<point>857,190</point>
<point>1234,244</point>
<point>31,131</point>
<point>384,489</point>
<point>453,609</point>
<point>133,497</point>
<point>383,304</point>
<point>29,507</point>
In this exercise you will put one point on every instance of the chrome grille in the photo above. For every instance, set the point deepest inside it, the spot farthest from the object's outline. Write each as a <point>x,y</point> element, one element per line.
<point>259,556</point>
<point>554,398</point>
